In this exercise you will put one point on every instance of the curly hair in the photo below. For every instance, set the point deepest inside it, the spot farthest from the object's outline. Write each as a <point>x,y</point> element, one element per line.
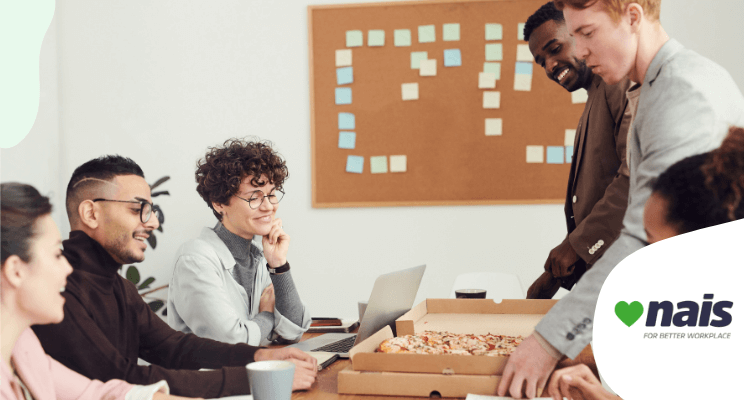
<point>651,8</point>
<point>706,189</point>
<point>547,12</point>
<point>220,172</point>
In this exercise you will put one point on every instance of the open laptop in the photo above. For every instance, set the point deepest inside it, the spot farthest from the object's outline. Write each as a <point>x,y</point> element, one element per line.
<point>392,296</point>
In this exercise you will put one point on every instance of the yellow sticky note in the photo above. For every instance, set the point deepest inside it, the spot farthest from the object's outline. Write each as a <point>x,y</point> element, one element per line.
<point>493,126</point>
<point>343,58</point>
<point>398,163</point>
<point>570,137</point>
<point>522,83</point>
<point>579,96</point>
<point>428,68</point>
<point>410,91</point>
<point>486,80</point>
<point>535,154</point>
<point>491,99</point>
<point>524,53</point>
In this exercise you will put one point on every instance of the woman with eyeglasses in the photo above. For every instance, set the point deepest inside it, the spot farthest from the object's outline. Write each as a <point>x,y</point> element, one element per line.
<point>233,283</point>
<point>34,273</point>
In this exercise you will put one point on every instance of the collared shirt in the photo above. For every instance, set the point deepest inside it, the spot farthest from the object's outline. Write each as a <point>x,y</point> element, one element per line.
<point>205,299</point>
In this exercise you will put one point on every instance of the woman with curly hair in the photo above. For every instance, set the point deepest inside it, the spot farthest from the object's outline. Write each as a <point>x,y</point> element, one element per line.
<point>224,286</point>
<point>698,191</point>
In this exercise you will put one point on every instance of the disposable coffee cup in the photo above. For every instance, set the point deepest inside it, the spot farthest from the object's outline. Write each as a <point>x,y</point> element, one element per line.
<point>470,294</point>
<point>362,308</point>
<point>271,380</point>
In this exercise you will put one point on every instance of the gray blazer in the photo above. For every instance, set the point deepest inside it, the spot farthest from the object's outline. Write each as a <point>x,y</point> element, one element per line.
<point>686,105</point>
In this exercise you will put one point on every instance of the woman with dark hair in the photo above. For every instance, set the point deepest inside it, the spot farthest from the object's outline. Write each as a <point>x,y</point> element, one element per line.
<point>698,192</point>
<point>233,283</point>
<point>34,273</point>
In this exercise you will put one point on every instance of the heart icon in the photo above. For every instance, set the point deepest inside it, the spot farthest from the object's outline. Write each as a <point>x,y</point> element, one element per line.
<point>628,313</point>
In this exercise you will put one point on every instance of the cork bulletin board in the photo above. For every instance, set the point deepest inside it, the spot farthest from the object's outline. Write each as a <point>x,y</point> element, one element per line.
<point>473,120</point>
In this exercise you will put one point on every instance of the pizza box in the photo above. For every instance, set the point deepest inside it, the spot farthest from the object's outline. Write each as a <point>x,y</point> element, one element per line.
<point>415,384</point>
<point>476,316</point>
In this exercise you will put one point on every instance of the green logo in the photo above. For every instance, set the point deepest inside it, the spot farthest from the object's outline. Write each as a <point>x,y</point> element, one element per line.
<point>628,313</point>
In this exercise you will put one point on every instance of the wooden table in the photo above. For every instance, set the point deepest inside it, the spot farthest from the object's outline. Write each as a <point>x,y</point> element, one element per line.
<point>326,386</point>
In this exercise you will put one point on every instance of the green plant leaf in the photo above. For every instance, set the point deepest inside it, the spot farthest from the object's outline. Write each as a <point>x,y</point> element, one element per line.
<point>152,240</point>
<point>165,312</point>
<point>133,274</point>
<point>156,305</point>
<point>159,182</point>
<point>160,228</point>
<point>146,283</point>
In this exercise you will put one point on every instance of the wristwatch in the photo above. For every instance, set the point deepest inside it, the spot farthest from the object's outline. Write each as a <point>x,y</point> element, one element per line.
<point>278,270</point>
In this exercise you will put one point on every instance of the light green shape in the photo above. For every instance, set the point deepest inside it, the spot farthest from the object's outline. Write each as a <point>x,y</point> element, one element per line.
<point>23,25</point>
<point>451,32</point>
<point>494,52</point>
<point>426,34</point>
<point>354,38</point>
<point>493,67</point>
<point>402,37</point>
<point>378,164</point>
<point>520,31</point>
<point>494,32</point>
<point>416,57</point>
<point>376,37</point>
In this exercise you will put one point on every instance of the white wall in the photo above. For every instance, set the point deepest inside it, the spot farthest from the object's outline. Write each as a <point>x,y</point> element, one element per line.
<point>161,81</point>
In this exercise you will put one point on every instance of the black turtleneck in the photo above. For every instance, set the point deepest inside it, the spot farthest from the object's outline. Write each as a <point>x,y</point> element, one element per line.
<point>107,326</point>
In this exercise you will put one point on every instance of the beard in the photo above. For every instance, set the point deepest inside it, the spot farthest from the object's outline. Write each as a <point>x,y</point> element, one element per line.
<point>121,253</point>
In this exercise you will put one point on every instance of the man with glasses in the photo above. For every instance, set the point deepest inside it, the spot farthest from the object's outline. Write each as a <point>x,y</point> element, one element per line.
<point>224,286</point>
<point>107,325</point>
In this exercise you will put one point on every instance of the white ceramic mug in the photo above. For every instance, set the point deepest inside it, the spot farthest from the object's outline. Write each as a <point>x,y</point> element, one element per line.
<point>271,380</point>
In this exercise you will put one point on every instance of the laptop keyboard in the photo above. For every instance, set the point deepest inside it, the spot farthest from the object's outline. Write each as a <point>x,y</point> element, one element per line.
<point>341,346</point>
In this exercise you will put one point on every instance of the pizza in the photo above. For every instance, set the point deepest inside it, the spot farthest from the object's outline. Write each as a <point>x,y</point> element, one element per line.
<point>430,342</point>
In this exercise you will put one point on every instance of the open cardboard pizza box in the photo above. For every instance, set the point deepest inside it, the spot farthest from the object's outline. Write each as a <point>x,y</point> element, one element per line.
<point>477,316</point>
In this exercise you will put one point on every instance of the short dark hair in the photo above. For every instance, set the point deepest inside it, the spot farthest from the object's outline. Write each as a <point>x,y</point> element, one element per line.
<point>706,189</point>
<point>547,12</point>
<point>220,172</point>
<point>104,168</point>
<point>21,206</point>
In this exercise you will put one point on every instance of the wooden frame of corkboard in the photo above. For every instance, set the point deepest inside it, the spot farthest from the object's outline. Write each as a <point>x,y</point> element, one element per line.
<point>450,160</point>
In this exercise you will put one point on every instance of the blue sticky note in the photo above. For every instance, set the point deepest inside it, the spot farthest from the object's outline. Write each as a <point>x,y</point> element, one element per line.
<point>344,75</point>
<point>346,121</point>
<point>555,154</point>
<point>524,68</point>
<point>569,154</point>
<point>355,164</point>
<point>452,58</point>
<point>346,140</point>
<point>343,95</point>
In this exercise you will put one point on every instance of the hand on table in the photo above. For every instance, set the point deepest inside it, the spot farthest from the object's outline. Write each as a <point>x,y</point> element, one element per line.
<point>276,245</point>
<point>306,366</point>
<point>561,260</point>
<point>544,287</point>
<point>581,378</point>
<point>529,367</point>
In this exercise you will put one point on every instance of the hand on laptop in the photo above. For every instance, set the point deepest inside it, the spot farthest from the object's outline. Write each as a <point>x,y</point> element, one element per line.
<point>268,299</point>
<point>276,245</point>
<point>306,366</point>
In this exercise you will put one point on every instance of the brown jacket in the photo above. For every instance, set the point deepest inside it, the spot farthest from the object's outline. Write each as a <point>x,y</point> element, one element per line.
<point>107,326</point>
<point>597,193</point>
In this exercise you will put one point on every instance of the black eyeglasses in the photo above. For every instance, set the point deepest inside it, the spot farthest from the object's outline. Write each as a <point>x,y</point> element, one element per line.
<point>146,208</point>
<point>257,198</point>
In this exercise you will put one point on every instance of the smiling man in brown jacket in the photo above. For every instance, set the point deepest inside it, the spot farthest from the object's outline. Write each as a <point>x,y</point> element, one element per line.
<point>597,193</point>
